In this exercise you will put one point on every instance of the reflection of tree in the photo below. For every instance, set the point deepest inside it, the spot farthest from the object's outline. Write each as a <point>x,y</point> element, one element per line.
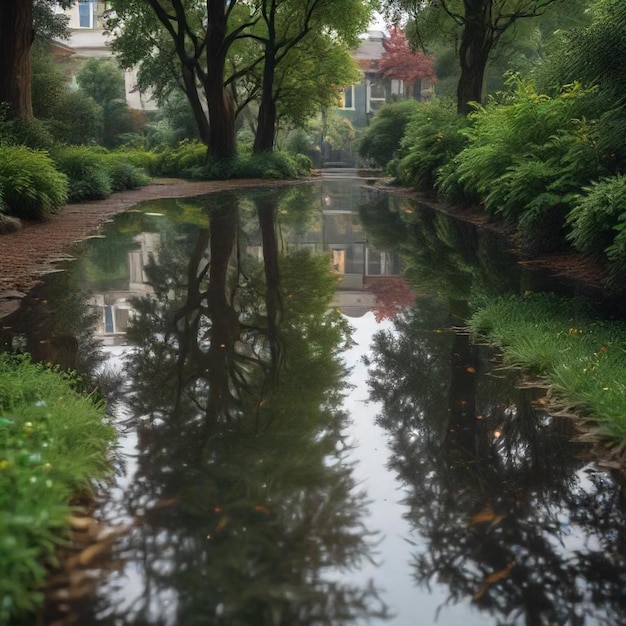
<point>440,255</point>
<point>248,521</point>
<point>491,483</point>
<point>55,324</point>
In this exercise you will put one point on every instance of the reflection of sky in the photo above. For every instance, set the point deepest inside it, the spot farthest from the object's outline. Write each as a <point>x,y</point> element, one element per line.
<point>412,605</point>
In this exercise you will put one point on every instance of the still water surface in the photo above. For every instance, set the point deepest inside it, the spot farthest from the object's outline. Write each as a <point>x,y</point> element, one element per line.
<point>307,435</point>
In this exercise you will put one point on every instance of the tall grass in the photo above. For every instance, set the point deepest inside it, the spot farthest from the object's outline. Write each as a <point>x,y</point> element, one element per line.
<point>582,358</point>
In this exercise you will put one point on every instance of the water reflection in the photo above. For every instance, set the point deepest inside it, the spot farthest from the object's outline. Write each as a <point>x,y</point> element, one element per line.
<point>229,317</point>
<point>246,511</point>
<point>494,486</point>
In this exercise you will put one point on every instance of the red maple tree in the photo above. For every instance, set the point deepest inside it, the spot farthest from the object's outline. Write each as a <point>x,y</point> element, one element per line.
<point>399,61</point>
<point>392,295</point>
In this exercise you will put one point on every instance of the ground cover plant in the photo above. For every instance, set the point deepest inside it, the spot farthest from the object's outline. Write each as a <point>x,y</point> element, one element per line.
<point>561,340</point>
<point>54,443</point>
<point>31,185</point>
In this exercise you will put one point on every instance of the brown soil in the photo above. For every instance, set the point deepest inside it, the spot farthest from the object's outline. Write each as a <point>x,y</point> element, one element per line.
<point>29,253</point>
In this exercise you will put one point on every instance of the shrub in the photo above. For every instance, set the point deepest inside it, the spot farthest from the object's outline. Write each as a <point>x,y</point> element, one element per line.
<point>433,137</point>
<point>77,119</point>
<point>528,159</point>
<point>143,159</point>
<point>187,160</point>
<point>598,219</point>
<point>122,173</point>
<point>87,171</point>
<point>33,134</point>
<point>31,186</point>
<point>53,443</point>
<point>383,136</point>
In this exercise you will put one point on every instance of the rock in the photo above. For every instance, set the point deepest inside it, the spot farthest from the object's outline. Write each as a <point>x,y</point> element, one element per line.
<point>9,224</point>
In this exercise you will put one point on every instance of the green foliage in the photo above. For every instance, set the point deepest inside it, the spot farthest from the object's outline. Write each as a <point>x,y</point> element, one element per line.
<point>32,133</point>
<point>298,142</point>
<point>122,173</point>
<point>526,160</point>
<point>583,359</point>
<point>76,119</point>
<point>433,137</point>
<point>145,160</point>
<point>49,81</point>
<point>53,443</point>
<point>103,80</point>
<point>186,160</point>
<point>87,171</point>
<point>383,136</point>
<point>598,220</point>
<point>190,160</point>
<point>592,54</point>
<point>31,185</point>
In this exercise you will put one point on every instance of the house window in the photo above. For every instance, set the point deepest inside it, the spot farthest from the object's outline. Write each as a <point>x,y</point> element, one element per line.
<point>87,14</point>
<point>376,95</point>
<point>347,98</point>
<point>109,321</point>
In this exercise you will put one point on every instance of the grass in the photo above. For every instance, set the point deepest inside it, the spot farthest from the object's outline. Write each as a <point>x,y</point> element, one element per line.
<point>54,443</point>
<point>581,357</point>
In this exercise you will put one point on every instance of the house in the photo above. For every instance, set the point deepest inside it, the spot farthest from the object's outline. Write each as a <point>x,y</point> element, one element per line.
<point>89,39</point>
<point>360,102</point>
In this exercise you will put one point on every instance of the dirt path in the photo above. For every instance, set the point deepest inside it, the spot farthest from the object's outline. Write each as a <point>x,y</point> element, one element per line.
<point>31,252</point>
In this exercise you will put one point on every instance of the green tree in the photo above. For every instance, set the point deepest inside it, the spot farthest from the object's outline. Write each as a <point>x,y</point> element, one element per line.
<point>482,25</point>
<point>20,20</point>
<point>102,80</point>
<point>229,54</point>
<point>285,26</point>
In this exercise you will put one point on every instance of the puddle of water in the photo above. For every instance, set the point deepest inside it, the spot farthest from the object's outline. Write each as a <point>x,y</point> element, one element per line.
<point>286,463</point>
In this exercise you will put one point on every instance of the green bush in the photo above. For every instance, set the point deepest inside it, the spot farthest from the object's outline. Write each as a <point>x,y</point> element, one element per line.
<point>187,160</point>
<point>122,173</point>
<point>383,136</point>
<point>433,137</point>
<point>528,159</point>
<point>53,444</point>
<point>190,160</point>
<point>598,219</point>
<point>142,159</point>
<point>31,185</point>
<point>33,134</point>
<point>87,171</point>
<point>76,119</point>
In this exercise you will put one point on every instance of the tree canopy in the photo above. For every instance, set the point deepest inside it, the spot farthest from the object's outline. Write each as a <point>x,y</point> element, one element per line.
<point>229,54</point>
<point>479,27</point>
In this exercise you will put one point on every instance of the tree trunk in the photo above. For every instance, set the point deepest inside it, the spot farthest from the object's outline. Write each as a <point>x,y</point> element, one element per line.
<point>476,43</point>
<point>222,141</point>
<point>16,38</point>
<point>266,124</point>
<point>199,114</point>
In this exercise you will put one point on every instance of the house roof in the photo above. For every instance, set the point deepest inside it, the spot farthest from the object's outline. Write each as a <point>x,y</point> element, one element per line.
<point>370,50</point>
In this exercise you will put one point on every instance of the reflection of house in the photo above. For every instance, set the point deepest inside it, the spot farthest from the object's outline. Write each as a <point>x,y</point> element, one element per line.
<point>114,304</point>
<point>359,102</point>
<point>335,228</point>
<point>88,39</point>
